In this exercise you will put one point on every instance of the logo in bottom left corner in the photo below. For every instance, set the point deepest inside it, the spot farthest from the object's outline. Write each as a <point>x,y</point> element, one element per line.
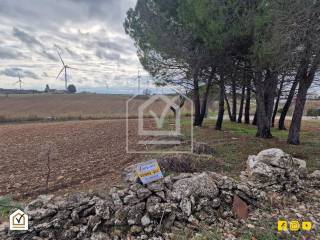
<point>19,221</point>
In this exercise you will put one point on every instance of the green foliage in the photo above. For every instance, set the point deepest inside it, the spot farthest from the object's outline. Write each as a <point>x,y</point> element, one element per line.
<point>6,204</point>
<point>72,88</point>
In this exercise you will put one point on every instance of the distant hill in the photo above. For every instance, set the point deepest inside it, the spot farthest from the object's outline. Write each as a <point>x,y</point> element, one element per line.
<point>16,91</point>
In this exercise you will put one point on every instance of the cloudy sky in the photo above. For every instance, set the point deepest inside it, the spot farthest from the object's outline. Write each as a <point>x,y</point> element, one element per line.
<point>89,35</point>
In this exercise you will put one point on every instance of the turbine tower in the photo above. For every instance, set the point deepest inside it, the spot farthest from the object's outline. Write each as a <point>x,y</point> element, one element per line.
<point>19,82</point>
<point>64,68</point>
<point>139,79</point>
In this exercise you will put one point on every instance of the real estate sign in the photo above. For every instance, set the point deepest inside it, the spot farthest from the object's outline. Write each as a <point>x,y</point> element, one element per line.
<point>149,171</point>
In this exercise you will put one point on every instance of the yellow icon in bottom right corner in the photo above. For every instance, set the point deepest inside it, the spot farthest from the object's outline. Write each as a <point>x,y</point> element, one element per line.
<point>306,225</point>
<point>294,226</point>
<point>282,226</point>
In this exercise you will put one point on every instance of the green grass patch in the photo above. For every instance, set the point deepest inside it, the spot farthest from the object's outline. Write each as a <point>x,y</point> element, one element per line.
<point>6,204</point>
<point>236,141</point>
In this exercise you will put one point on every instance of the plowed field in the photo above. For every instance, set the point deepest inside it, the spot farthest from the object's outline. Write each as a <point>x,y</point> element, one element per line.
<point>83,154</point>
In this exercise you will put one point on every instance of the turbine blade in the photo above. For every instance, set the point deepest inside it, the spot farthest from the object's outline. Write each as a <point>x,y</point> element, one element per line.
<point>72,68</point>
<point>61,58</point>
<point>60,72</point>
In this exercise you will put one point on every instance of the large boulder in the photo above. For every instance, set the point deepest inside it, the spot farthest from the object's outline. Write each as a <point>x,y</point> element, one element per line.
<point>201,185</point>
<point>275,168</point>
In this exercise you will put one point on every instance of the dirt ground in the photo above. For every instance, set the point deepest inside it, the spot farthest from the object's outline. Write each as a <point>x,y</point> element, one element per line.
<point>89,155</point>
<point>83,154</point>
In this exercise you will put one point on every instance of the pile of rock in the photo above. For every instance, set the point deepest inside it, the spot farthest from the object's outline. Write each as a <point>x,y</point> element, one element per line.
<point>158,209</point>
<point>274,170</point>
<point>140,211</point>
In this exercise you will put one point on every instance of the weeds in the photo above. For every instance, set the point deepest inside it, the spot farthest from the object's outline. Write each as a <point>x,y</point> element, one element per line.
<point>6,204</point>
<point>48,153</point>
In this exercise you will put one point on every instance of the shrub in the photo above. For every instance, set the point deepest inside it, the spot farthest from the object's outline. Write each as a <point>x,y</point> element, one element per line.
<point>6,204</point>
<point>178,163</point>
<point>72,88</point>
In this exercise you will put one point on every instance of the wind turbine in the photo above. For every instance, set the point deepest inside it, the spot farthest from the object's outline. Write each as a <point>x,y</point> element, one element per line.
<point>107,85</point>
<point>64,68</point>
<point>20,82</point>
<point>139,79</point>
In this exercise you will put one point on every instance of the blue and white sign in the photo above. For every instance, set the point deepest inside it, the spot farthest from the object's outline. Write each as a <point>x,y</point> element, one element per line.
<point>149,171</point>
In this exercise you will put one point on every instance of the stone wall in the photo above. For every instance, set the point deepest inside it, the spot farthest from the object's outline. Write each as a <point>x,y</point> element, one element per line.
<point>157,210</point>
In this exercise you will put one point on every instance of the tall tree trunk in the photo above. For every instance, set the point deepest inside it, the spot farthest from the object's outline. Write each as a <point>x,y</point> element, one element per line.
<point>243,92</point>
<point>275,110</point>
<point>265,94</point>
<point>294,131</point>
<point>228,105</point>
<point>221,104</point>
<point>301,74</point>
<point>196,100</point>
<point>286,106</point>
<point>254,120</point>
<point>205,97</point>
<point>304,85</point>
<point>248,99</point>
<point>234,99</point>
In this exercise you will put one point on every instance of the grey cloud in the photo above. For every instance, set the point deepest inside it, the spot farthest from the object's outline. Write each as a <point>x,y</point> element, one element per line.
<point>49,55</point>
<point>33,44</point>
<point>88,33</point>
<point>107,56</point>
<point>15,72</point>
<point>6,53</point>
<point>26,38</point>
<point>73,54</point>
<point>127,61</point>
<point>44,74</point>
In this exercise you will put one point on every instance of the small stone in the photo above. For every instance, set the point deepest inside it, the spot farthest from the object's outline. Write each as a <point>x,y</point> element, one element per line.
<point>116,199</point>
<point>161,195</point>
<point>94,222</point>
<point>100,236</point>
<point>71,232</point>
<point>185,206</point>
<point>148,229</point>
<point>145,220</point>
<point>143,193</point>
<point>75,217</point>
<point>155,186</point>
<point>250,226</point>
<point>135,187</point>
<point>102,209</point>
<point>216,203</point>
<point>135,229</point>
<point>120,217</point>
<point>135,213</point>
<point>131,199</point>
<point>193,220</point>
<point>315,174</point>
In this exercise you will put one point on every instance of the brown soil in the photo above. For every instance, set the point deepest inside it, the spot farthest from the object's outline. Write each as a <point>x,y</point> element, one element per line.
<point>84,154</point>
